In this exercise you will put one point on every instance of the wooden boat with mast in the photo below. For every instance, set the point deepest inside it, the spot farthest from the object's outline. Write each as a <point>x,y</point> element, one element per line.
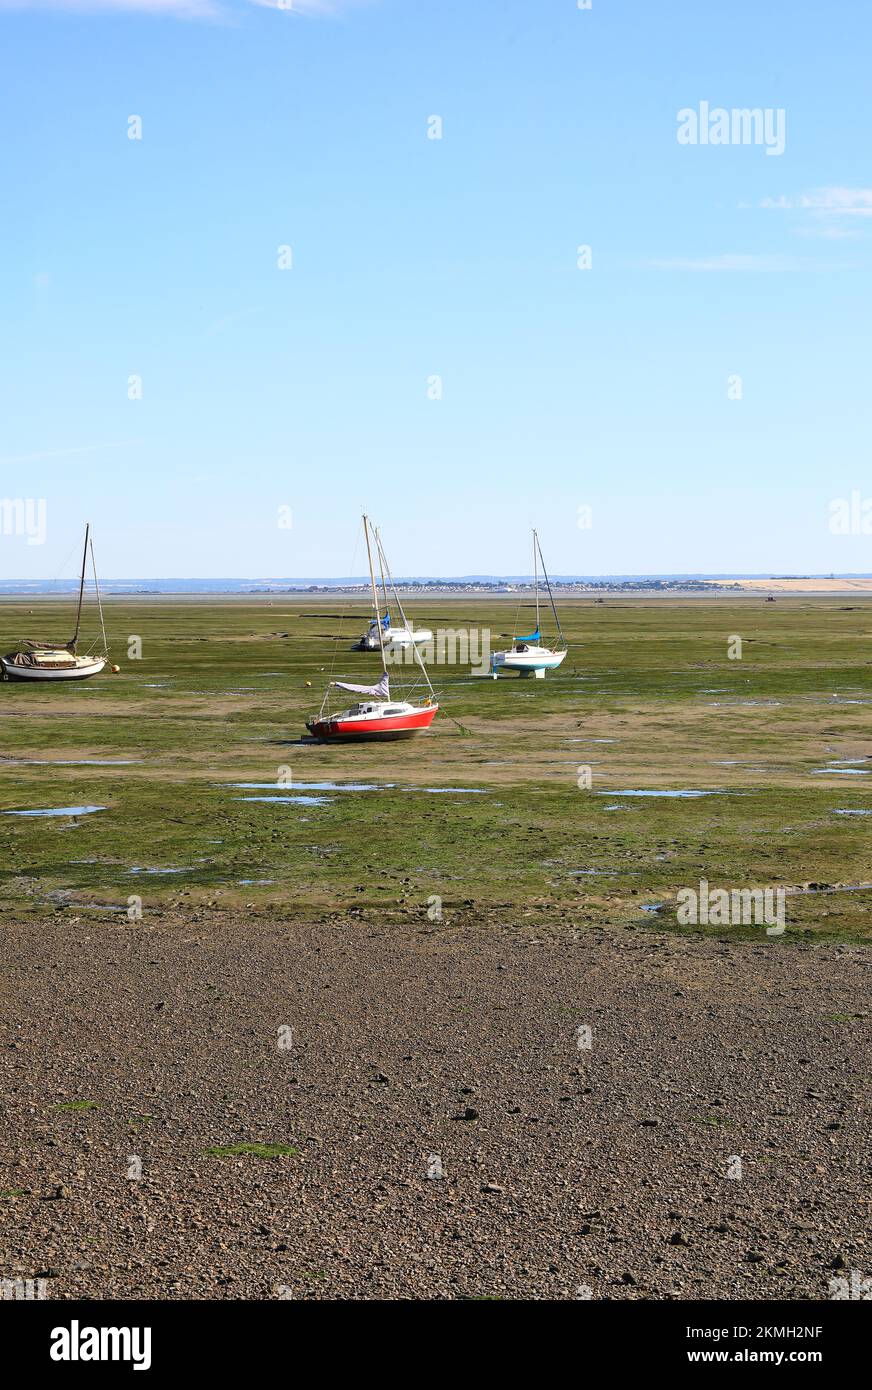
<point>378,717</point>
<point>55,661</point>
<point>528,655</point>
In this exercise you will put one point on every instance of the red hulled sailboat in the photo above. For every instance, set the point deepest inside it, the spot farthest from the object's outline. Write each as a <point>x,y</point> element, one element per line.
<point>378,717</point>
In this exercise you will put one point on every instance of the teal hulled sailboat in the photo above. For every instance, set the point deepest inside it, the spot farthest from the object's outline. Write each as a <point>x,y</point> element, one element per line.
<point>529,656</point>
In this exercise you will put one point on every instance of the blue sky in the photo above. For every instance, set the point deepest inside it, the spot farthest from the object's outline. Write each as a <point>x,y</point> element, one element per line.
<point>307,388</point>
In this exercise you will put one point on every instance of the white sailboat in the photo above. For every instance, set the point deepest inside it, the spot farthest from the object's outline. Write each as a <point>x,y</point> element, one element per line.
<point>383,631</point>
<point>55,661</point>
<point>529,656</point>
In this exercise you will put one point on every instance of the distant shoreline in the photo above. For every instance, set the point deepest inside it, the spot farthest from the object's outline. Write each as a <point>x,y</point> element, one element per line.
<point>354,599</point>
<point>855,584</point>
<point>472,587</point>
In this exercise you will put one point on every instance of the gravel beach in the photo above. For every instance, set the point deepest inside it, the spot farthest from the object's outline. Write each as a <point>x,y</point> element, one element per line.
<point>474,1110</point>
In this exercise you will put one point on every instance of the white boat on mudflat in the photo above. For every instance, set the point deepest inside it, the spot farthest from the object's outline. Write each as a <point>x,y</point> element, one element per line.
<point>528,655</point>
<point>392,636</point>
<point>39,662</point>
<point>528,659</point>
<point>57,661</point>
<point>382,631</point>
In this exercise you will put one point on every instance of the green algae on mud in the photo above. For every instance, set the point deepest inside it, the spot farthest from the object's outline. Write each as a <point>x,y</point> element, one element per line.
<point>648,699</point>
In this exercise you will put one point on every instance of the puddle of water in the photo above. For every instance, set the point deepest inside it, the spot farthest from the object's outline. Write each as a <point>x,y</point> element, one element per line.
<point>748,704</point>
<point>341,787</point>
<point>251,882</point>
<point>462,791</point>
<point>291,800</point>
<point>678,794</point>
<point>837,761</point>
<point>102,762</point>
<point>138,870</point>
<point>605,873</point>
<point>310,786</point>
<point>651,907</point>
<point>852,813</point>
<point>839,772</point>
<point>331,786</point>
<point>592,740</point>
<point>750,767</point>
<point>59,811</point>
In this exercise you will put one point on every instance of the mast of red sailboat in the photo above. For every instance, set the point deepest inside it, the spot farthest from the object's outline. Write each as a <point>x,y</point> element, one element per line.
<point>75,640</point>
<point>381,641</point>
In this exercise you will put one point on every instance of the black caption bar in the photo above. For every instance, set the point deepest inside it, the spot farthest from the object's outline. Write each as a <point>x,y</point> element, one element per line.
<point>143,1339</point>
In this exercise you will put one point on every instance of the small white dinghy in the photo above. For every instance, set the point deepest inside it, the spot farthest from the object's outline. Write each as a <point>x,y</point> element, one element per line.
<point>56,661</point>
<point>528,655</point>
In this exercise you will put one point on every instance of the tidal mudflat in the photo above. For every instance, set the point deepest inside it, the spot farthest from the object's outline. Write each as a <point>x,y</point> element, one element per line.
<point>456,939</point>
<point>743,794</point>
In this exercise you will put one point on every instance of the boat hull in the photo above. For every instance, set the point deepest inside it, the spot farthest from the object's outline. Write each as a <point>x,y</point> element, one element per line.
<point>79,672</point>
<point>533,662</point>
<point>398,637</point>
<point>403,637</point>
<point>357,728</point>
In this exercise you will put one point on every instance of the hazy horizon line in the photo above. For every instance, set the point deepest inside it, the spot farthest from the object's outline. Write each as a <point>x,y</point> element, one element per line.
<point>399,581</point>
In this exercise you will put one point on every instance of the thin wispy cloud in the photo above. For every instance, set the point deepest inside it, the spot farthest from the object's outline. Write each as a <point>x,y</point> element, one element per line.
<point>828,214</point>
<point>828,231</point>
<point>733,261</point>
<point>302,7</point>
<point>835,202</point>
<point>180,9</point>
<point>68,453</point>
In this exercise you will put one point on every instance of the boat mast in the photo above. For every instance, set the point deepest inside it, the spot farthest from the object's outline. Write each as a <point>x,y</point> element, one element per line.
<point>406,624</point>
<point>381,641</point>
<point>536,578</point>
<point>383,561</point>
<point>550,594</point>
<point>381,570</point>
<point>81,588</point>
<point>99,602</point>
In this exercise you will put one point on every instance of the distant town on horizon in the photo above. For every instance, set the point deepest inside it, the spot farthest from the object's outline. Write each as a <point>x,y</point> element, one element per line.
<point>483,583</point>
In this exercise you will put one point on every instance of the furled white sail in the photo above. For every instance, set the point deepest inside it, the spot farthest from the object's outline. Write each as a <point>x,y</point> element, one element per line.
<point>379,692</point>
